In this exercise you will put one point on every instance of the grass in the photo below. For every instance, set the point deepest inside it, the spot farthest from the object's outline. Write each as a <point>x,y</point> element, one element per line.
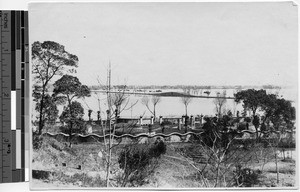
<point>284,168</point>
<point>81,180</point>
<point>174,171</point>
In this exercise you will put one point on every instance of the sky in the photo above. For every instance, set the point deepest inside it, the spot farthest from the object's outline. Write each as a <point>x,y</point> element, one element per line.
<point>175,43</point>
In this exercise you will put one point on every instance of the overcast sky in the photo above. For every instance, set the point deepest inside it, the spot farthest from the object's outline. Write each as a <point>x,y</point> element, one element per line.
<point>175,43</point>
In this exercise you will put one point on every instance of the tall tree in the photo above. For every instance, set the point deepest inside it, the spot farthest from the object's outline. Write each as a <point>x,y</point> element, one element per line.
<point>49,111</point>
<point>282,115</point>
<point>278,111</point>
<point>253,100</point>
<point>49,59</point>
<point>68,88</point>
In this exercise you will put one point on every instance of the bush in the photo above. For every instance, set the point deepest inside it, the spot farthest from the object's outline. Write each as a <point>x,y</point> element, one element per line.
<point>166,123</point>
<point>158,149</point>
<point>139,162</point>
<point>78,127</point>
<point>37,141</point>
<point>247,177</point>
<point>287,143</point>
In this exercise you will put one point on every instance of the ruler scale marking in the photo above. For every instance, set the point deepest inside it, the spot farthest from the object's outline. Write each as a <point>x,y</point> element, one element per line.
<point>13,50</point>
<point>26,98</point>
<point>13,152</point>
<point>20,132</point>
<point>14,93</point>
<point>6,88</point>
<point>18,156</point>
<point>1,124</point>
<point>18,28</point>
<point>15,39</point>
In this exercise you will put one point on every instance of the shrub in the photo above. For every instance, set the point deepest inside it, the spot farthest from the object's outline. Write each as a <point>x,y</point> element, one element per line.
<point>139,162</point>
<point>247,177</point>
<point>37,141</point>
<point>158,149</point>
<point>287,143</point>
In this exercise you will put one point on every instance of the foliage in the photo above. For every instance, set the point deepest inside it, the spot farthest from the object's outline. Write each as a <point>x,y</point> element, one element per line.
<point>256,121</point>
<point>89,114</point>
<point>70,87</point>
<point>216,163</point>
<point>277,111</point>
<point>216,130</point>
<point>139,162</point>
<point>49,111</point>
<point>247,119</point>
<point>51,58</point>
<point>74,117</point>
<point>220,153</point>
<point>48,59</point>
<point>246,177</point>
<point>283,114</point>
<point>37,141</point>
<point>252,99</point>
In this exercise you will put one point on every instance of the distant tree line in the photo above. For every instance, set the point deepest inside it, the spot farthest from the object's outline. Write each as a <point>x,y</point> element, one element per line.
<point>204,87</point>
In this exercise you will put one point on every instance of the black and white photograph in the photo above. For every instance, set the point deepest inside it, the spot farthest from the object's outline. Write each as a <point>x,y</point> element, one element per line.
<point>163,95</point>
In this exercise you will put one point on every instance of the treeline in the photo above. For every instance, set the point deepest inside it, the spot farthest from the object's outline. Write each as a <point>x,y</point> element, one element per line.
<point>205,87</point>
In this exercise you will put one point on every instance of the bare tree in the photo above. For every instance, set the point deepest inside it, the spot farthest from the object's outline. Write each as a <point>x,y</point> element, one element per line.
<point>116,103</point>
<point>118,99</point>
<point>219,102</point>
<point>219,163</point>
<point>186,101</point>
<point>154,100</point>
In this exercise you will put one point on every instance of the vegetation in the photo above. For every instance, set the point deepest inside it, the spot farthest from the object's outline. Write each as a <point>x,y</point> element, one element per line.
<point>186,100</point>
<point>68,88</point>
<point>48,60</point>
<point>139,163</point>
<point>154,100</point>
<point>73,119</point>
<point>226,150</point>
<point>219,102</point>
<point>276,110</point>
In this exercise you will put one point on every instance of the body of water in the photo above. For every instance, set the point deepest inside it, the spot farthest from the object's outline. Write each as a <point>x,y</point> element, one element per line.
<point>168,106</point>
<point>173,106</point>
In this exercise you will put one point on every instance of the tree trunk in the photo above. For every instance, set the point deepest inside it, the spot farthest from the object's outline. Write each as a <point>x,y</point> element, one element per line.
<point>257,135</point>
<point>71,122</point>
<point>217,176</point>
<point>186,110</point>
<point>277,171</point>
<point>41,121</point>
<point>109,153</point>
<point>154,114</point>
